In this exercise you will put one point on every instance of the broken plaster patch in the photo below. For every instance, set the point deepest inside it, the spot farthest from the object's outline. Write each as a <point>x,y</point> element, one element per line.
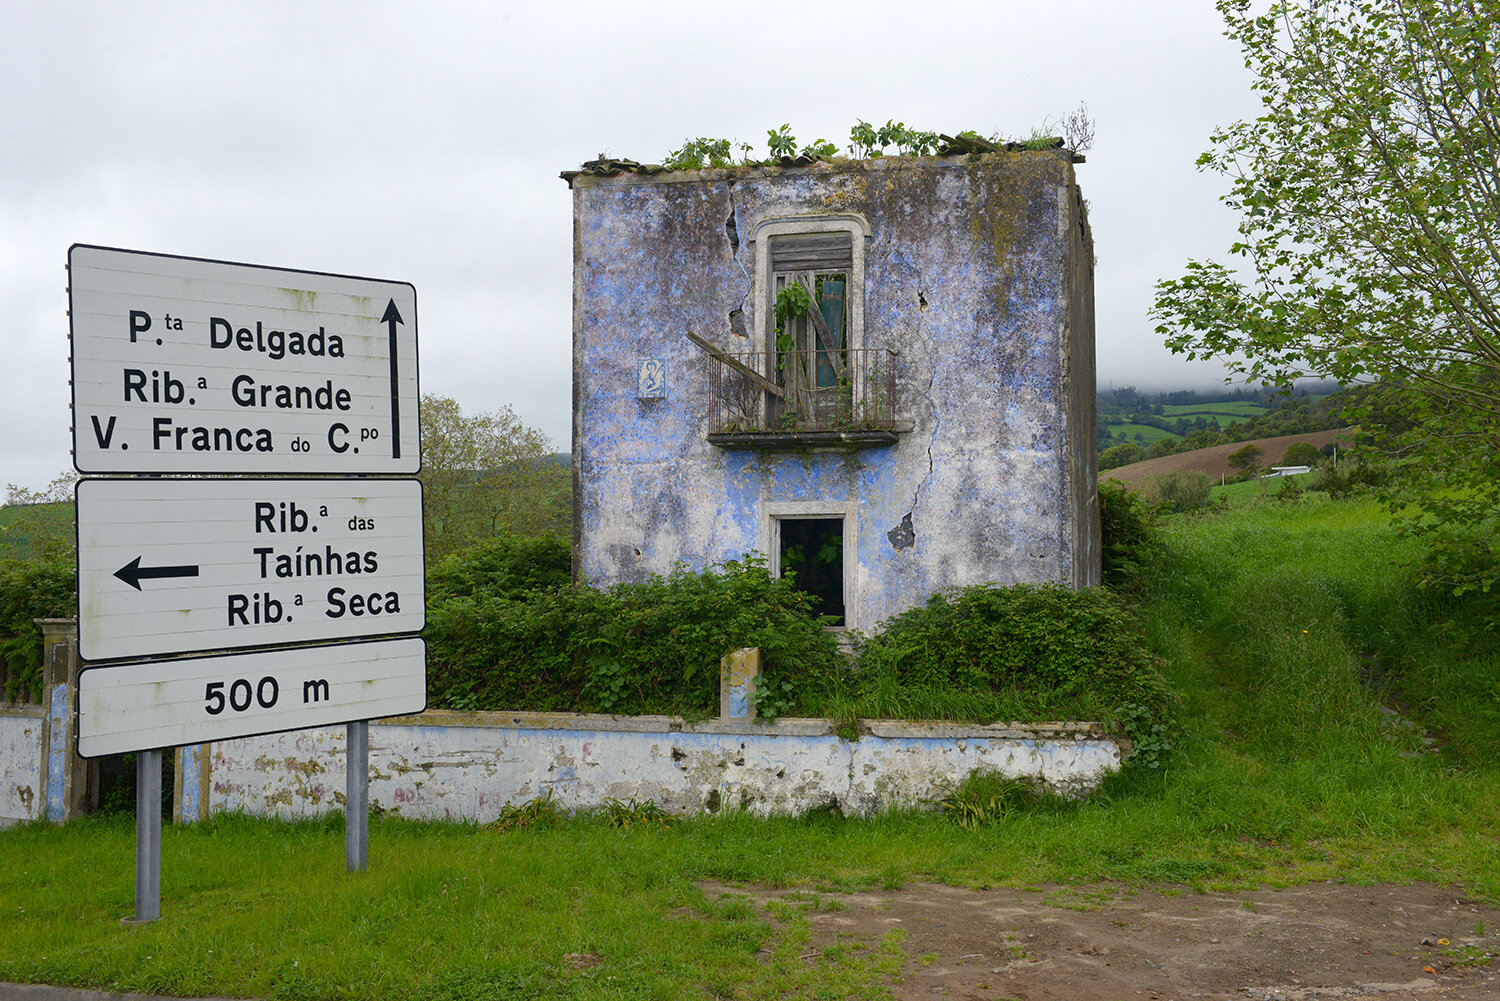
<point>903,535</point>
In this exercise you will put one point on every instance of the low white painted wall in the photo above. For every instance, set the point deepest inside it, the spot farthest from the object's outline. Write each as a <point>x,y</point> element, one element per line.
<point>447,765</point>
<point>21,794</point>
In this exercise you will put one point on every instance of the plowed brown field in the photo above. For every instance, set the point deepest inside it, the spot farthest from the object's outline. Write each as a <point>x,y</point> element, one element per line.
<point>1215,461</point>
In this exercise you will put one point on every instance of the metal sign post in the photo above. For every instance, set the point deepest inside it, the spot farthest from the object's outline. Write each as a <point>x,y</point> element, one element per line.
<point>357,796</point>
<point>215,373</point>
<point>147,836</point>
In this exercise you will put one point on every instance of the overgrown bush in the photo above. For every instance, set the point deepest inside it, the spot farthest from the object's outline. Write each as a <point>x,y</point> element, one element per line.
<point>1175,493</point>
<point>505,633</point>
<point>1127,532</point>
<point>31,589</point>
<point>1352,475</point>
<point>1461,565</point>
<point>508,567</point>
<point>1023,652</point>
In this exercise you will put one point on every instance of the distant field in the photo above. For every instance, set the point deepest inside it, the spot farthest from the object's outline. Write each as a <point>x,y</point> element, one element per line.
<point>1215,461</point>
<point>1237,410</point>
<point>29,529</point>
<point>1148,433</point>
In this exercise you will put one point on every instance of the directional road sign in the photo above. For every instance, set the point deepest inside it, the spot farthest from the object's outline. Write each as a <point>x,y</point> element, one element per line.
<point>172,703</point>
<point>182,365</point>
<point>168,566</point>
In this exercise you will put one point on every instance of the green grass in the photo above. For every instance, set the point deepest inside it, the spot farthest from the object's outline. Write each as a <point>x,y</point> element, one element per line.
<point>1238,410</point>
<point>1283,627</point>
<point>1259,489</point>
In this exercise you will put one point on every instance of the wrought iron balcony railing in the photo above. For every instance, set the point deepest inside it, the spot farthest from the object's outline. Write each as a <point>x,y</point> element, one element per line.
<point>800,398</point>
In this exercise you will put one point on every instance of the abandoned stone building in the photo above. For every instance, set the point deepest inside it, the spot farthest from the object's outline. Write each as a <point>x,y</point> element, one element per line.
<point>878,374</point>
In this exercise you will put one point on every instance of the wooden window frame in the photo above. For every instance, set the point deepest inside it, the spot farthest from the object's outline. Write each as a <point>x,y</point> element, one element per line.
<point>858,229</point>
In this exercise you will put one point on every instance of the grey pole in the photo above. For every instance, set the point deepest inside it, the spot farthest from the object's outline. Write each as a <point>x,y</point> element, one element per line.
<point>147,836</point>
<point>357,797</point>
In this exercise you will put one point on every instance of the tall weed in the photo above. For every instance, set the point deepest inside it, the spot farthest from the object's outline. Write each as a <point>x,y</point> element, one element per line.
<point>1175,493</point>
<point>1309,617</point>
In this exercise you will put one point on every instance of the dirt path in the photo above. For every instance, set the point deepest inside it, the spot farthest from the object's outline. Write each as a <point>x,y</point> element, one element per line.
<point>1101,943</point>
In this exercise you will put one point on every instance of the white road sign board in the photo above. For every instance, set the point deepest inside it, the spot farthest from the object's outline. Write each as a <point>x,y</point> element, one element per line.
<point>168,566</point>
<point>172,703</point>
<point>182,365</point>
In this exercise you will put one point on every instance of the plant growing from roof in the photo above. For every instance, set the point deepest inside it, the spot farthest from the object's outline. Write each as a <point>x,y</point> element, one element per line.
<point>695,154</point>
<point>781,142</point>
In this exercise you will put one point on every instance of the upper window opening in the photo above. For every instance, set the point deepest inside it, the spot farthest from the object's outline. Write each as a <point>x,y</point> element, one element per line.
<point>808,380</point>
<point>811,343</point>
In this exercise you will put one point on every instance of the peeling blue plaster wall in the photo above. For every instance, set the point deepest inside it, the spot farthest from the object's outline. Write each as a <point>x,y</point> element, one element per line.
<point>974,271</point>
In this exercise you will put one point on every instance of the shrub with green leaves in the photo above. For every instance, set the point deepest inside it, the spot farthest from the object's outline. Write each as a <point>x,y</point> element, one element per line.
<point>1127,532</point>
<point>511,566</point>
<point>30,589</point>
<point>1353,474</point>
<point>521,638</point>
<point>1025,652</point>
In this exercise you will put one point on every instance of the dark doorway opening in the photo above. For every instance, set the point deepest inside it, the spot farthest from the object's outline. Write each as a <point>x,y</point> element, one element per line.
<point>813,550</point>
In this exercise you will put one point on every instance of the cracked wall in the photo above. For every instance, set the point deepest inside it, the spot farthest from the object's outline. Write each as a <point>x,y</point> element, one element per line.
<point>472,765</point>
<point>978,270</point>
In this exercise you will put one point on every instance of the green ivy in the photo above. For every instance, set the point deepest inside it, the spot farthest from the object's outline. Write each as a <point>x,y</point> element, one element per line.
<point>791,302</point>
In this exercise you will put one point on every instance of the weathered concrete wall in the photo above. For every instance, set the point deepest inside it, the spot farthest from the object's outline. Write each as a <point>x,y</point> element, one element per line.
<point>977,269</point>
<point>41,774</point>
<point>1082,387</point>
<point>468,765</point>
<point>21,752</point>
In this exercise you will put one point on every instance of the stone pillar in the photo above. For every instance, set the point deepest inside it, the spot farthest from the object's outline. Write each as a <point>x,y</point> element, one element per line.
<point>738,672</point>
<point>69,781</point>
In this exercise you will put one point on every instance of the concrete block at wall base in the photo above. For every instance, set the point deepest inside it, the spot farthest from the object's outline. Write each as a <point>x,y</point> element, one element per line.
<point>467,766</point>
<point>22,796</point>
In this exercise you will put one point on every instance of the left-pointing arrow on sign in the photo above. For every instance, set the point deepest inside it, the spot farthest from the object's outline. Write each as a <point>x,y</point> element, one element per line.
<point>133,573</point>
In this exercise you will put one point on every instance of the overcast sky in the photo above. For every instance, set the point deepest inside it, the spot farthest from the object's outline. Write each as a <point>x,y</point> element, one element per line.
<point>422,143</point>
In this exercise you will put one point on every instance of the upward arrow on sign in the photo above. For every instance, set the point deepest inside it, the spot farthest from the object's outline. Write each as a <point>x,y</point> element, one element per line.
<point>391,318</point>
